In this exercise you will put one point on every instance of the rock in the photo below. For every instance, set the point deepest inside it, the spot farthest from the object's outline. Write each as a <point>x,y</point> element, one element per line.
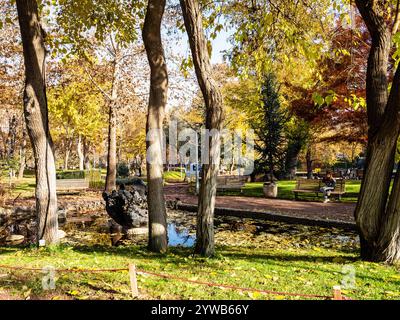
<point>15,239</point>
<point>133,184</point>
<point>127,208</point>
<point>61,234</point>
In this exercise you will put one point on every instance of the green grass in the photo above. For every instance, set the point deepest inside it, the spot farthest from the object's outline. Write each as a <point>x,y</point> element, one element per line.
<point>174,176</point>
<point>313,271</point>
<point>22,188</point>
<point>255,189</point>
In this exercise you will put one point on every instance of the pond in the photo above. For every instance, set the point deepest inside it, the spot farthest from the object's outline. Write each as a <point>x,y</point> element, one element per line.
<point>94,228</point>
<point>180,236</point>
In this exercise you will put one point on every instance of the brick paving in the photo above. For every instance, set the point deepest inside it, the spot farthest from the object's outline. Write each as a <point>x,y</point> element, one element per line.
<point>311,210</point>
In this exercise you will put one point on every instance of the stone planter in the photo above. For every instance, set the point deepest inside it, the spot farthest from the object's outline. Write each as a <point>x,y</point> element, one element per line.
<point>270,190</point>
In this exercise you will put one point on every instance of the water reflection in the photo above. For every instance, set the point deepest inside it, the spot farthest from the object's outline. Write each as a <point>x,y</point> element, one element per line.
<point>179,236</point>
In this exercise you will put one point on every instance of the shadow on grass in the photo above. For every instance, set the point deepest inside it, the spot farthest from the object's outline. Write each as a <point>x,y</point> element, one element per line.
<point>177,254</point>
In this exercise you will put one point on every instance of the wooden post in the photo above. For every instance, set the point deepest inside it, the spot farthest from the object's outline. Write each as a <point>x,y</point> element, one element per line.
<point>337,293</point>
<point>133,280</point>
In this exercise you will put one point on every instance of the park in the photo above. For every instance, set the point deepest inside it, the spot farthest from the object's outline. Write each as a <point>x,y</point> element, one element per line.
<point>199,150</point>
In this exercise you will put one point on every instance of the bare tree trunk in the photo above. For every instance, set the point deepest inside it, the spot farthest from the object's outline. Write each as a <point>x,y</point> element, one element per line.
<point>378,211</point>
<point>36,117</point>
<point>66,159</point>
<point>309,163</point>
<point>112,130</point>
<point>11,139</point>
<point>80,152</point>
<point>86,151</point>
<point>67,151</point>
<point>22,160</point>
<point>214,113</point>
<point>292,157</point>
<point>155,116</point>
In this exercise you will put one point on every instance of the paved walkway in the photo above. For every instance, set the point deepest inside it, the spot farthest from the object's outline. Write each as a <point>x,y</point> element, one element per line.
<point>311,210</point>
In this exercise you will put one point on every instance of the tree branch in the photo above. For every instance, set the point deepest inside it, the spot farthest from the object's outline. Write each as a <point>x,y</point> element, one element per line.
<point>105,94</point>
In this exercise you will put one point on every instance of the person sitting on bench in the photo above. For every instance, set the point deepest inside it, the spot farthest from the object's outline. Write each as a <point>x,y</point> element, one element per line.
<point>330,184</point>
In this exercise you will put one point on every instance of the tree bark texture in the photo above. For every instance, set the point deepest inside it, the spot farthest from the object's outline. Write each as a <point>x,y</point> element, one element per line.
<point>111,176</point>
<point>378,210</point>
<point>22,156</point>
<point>157,101</point>
<point>36,117</point>
<point>80,152</point>
<point>214,115</point>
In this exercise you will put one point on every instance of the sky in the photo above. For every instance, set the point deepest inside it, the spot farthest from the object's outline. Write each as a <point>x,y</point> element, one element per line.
<point>219,44</point>
<point>180,47</point>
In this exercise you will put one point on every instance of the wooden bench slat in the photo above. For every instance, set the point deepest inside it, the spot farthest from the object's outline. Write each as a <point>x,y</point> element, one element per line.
<point>231,182</point>
<point>72,184</point>
<point>314,186</point>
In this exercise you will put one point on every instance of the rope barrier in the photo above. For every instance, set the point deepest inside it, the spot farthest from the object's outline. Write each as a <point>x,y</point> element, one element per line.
<point>73,270</point>
<point>166,276</point>
<point>211,284</point>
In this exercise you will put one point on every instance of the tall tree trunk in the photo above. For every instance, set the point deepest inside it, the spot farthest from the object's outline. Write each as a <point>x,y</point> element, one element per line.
<point>378,212</point>
<point>66,159</point>
<point>292,156</point>
<point>309,163</point>
<point>11,139</point>
<point>112,150</point>
<point>22,156</point>
<point>36,117</point>
<point>86,153</point>
<point>155,116</point>
<point>67,152</point>
<point>112,130</point>
<point>214,113</point>
<point>80,152</point>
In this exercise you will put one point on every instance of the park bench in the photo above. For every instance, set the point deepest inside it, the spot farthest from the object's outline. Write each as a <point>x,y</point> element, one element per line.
<point>225,183</point>
<point>68,185</point>
<point>313,186</point>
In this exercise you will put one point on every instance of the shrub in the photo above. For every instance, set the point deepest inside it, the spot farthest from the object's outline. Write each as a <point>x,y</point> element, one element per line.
<point>77,174</point>
<point>123,170</point>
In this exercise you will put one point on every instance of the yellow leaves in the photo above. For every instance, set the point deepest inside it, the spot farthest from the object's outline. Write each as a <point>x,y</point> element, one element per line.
<point>254,295</point>
<point>391,294</point>
<point>77,295</point>
<point>124,291</point>
<point>395,277</point>
<point>73,292</point>
<point>301,279</point>
<point>269,278</point>
<point>26,292</point>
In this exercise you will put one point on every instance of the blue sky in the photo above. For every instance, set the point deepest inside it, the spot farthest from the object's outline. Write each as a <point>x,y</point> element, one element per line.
<point>219,44</point>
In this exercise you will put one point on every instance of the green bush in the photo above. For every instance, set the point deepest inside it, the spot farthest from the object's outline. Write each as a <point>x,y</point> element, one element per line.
<point>122,170</point>
<point>71,174</point>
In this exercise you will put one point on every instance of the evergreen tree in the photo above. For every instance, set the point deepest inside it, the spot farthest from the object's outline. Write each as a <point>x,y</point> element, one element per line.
<point>269,129</point>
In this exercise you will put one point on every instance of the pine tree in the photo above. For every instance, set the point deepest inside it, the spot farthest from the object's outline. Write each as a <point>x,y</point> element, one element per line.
<point>269,129</point>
